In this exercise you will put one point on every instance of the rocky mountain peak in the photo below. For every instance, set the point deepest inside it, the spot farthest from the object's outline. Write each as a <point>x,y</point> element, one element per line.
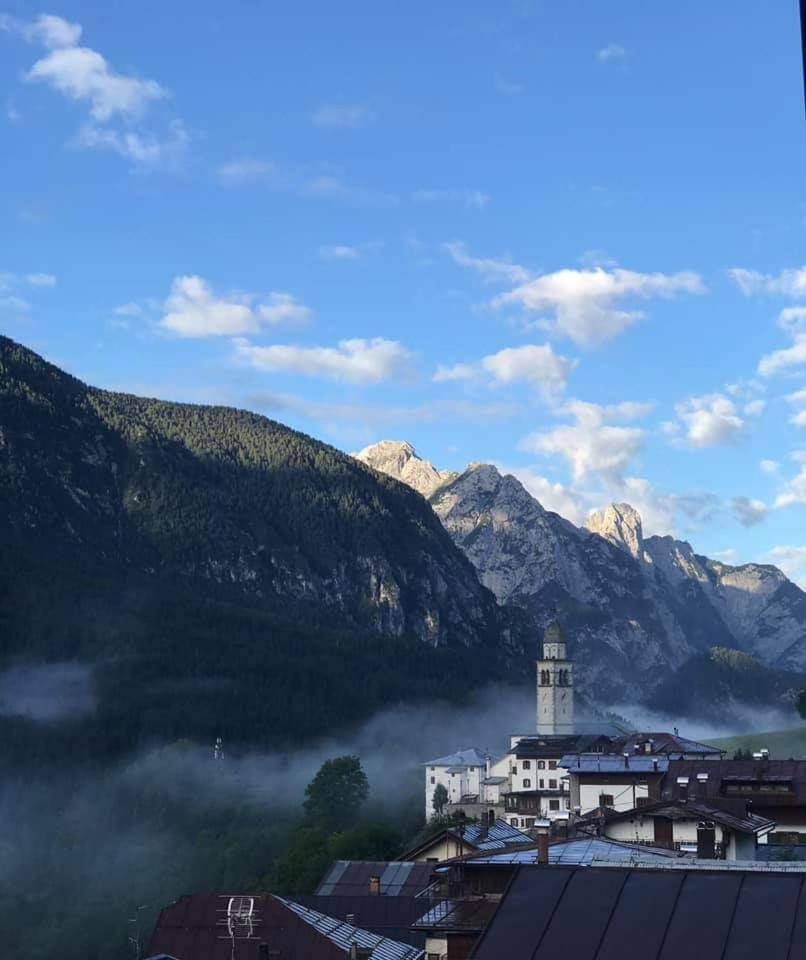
<point>621,525</point>
<point>399,459</point>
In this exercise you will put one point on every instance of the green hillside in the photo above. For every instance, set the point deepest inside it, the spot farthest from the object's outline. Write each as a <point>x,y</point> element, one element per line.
<point>782,744</point>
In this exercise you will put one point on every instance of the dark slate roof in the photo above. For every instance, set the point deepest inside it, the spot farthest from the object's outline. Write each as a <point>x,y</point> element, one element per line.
<point>390,916</point>
<point>398,878</point>
<point>497,837</point>
<point>663,743</point>
<point>733,816</point>
<point>343,934</point>
<point>195,928</point>
<point>500,834</point>
<point>581,850</point>
<point>468,757</point>
<point>614,764</point>
<point>557,745</point>
<point>556,913</point>
<point>756,775</point>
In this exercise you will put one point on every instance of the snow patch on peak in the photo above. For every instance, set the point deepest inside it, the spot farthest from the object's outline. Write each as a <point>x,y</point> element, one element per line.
<point>621,525</point>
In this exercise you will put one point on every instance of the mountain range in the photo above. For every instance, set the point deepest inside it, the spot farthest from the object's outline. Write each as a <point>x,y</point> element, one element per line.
<point>219,574</point>
<point>637,608</point>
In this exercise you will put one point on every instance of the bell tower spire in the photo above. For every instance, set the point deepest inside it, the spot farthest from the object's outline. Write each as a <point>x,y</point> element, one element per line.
<point>555,685</point>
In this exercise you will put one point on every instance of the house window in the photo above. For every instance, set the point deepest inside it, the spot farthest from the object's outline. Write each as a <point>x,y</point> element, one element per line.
<point>542,784</point>
<point>643,801</point>
<point>515,769</point>
<point>527,784</point>
<point>527,764</point>
<point>545,678</point>
<point>541,764</point>
<point>530,821</point>
<point>433,956</point>
<point>433,779</point>
<point>552,784</point>
<point>554,804</point>
<point>606,800</point>
<point>513,821</point>
<point>552,764</point>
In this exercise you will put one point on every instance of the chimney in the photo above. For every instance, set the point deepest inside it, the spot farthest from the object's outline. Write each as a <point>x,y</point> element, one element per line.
<point>350,918</point>
<point>375,886</point>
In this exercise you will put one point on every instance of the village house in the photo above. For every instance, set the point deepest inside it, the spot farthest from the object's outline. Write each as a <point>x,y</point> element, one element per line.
<point>776,789</point>
<point>458,840</point>
<point>727,832</point>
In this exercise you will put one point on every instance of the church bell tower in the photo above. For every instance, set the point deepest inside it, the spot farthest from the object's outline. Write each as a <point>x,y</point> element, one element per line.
<point>555,685</point>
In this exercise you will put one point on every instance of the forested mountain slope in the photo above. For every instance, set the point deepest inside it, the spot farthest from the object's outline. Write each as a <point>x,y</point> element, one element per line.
<point>185,548</point>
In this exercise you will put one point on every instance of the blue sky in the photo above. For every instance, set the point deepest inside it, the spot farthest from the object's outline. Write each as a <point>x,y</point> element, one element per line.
<point>568,238</point>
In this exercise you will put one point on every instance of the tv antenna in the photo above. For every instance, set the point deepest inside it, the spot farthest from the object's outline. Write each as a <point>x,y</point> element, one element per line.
<point>240,919</point>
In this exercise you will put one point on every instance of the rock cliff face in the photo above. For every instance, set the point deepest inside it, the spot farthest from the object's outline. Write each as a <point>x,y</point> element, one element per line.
<point>399,460</point>
<point>638,607</point>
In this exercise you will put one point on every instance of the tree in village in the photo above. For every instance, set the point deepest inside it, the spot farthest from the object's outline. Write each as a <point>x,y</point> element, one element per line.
<point>439,799</point>
<point>335,796</point>
<point>800,703</point>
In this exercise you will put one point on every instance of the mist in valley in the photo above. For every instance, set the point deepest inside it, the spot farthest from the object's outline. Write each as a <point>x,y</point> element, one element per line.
<point>83,847</point>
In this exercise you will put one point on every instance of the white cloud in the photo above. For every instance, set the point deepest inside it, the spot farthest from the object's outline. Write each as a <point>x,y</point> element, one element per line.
<point>592,446</point>
<point>489,269</point>
<point>794,490</point>
<point>798,401</point>
<point>538,365</point>
<point>552,496</point>
<point>749,512</point>
<point>459,371</point>
<point>14,304</point>
<point>725,556</point>
<point>769,466</point>
<point>586,303</point>
<point>347,116</point>
<point>143,149</point>
<point>352,361</point>
<point>53,32</point>
<point>332,187</point>
<point>83,74</point>
<point>613,51</point>
<point>343,251</point>
<point>128,310</point>
<point>792,560</point>
<point>791,283</point>
<point>781,360</point>
<point>244,170</point>
<point>40,279</point>
<point>192,310</point>
<point>283,308</point>
<point>709,420</point>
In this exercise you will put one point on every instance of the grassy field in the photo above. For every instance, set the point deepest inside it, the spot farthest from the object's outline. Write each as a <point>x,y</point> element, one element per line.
<point>782,744</point>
